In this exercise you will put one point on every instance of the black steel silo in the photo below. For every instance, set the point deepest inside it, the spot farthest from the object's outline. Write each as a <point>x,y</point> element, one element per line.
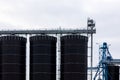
<point>113,72</point>
<point>74,57</point>
<point>12,58</point>
<point>42,57</point>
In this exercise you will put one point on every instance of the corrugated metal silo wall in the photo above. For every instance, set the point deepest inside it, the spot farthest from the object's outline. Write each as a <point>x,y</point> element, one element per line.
<point>113,72</point>
<point>42,58</point>
<point>12,58</point>
<point>74,57</point>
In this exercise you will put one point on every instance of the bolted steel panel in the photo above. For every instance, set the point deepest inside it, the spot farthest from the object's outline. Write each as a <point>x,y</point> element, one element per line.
<point>74,57</point>
<point>12,58</point>
<point>42,57</point>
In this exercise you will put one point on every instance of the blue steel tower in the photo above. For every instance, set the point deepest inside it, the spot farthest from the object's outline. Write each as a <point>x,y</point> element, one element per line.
<point>107,65</point>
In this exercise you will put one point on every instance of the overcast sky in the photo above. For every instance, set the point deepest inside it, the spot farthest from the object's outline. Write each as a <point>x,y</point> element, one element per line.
<point>35,14</point>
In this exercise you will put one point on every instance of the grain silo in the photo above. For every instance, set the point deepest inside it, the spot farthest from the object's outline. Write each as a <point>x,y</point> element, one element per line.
<point>113,72</point>
<point>42,57</point>
<point>74,57</point>
<point>12,58</point>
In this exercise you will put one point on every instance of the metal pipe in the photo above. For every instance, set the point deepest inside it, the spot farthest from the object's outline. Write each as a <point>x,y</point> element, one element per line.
<point>91,51</point>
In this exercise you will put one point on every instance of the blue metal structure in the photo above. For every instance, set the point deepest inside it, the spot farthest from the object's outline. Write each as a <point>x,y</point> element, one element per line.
<point>105,58</point>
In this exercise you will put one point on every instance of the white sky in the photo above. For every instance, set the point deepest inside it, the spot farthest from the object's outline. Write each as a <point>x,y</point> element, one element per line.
<point>35,14</point>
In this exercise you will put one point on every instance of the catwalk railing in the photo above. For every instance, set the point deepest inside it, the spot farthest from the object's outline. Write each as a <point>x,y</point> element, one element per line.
<point>76,31</point>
